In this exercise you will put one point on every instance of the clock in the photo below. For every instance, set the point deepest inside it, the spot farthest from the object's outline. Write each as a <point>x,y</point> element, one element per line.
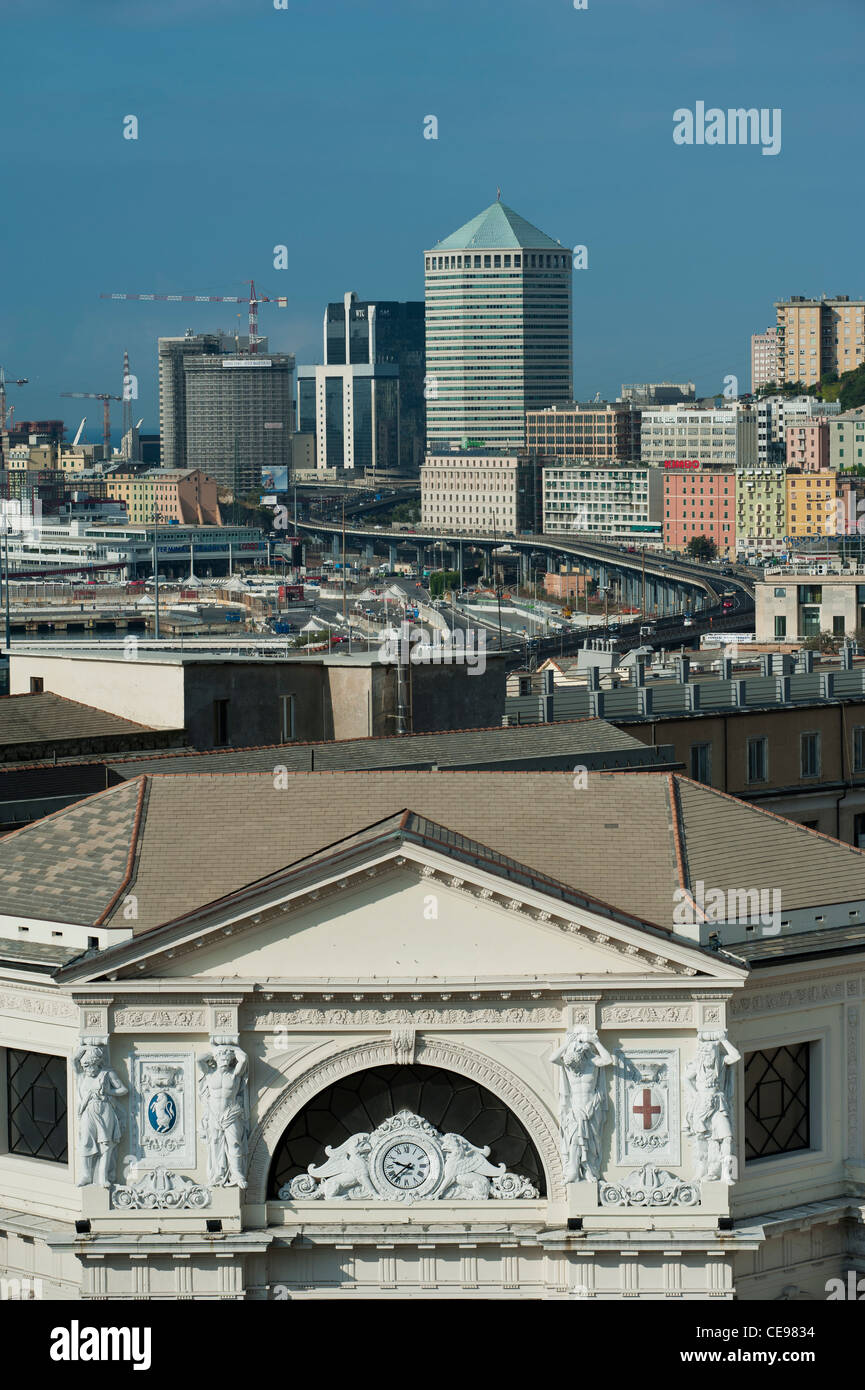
<point>405,1165</point>
<point>407,1162</point>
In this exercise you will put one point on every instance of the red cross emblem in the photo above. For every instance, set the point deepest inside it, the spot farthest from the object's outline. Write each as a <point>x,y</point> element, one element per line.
<point>647,1109</point>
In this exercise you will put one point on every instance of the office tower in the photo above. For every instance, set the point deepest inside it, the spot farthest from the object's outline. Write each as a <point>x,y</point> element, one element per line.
<point>498,331</point>
<point>659,392</point>
<point>587,430</point>
<point>172,390</point>
<point>719,438</point>
<point>764,359</point>
<point>818,336</point>
<point>229,414</point>
<point>362,334</point>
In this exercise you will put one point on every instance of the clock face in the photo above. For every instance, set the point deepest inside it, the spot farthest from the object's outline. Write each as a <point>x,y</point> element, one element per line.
<point>405,1165</point>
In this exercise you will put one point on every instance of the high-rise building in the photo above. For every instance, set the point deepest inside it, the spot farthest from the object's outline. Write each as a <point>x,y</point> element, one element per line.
<point>764,358</point>
<point>172,390</point>
<point>847,439</point>
<point>365,405</point>
<point>619,500</point>
<point>592,430</point>
<point>498,331</point>
<point>819,336</point>
<point>229,413</point>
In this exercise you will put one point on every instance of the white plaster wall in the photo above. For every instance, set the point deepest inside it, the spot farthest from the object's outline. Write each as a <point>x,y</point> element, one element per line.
<point>148,692</point>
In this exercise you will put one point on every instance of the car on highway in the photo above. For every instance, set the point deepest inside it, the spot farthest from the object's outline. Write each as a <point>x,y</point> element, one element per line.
<point>688,622</point>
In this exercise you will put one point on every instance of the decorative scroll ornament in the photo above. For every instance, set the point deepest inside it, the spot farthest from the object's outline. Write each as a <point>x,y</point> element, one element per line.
<point>158,1189</point>
<point>649,1187</point>
<point>407,1160</point>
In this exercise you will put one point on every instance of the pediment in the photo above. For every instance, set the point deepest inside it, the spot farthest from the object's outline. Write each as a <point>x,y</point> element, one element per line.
<point>385,911</point>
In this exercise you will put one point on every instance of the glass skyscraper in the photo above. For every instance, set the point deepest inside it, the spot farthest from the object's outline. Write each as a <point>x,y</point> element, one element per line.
<point>498,331</point>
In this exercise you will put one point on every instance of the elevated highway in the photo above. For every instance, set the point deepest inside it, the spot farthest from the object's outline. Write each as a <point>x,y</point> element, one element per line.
<point>672,583</point>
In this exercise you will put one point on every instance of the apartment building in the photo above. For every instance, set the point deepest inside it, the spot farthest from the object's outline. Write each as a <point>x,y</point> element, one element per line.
<point>614,501</point>
<point>764,358</point>
<point>813,500</point>
<point>184,495</point>
<point>807,445</point>
<point>793,605</point>
<point>761,508</point>
<point>847,439</point>
<point>592,430</point>
<point>816,336</point>
<point>481,491</point>
<point>699,500</point>
<point>725,437</point>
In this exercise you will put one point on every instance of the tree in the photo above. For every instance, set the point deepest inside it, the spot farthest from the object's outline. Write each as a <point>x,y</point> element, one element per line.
<point>701,548</point>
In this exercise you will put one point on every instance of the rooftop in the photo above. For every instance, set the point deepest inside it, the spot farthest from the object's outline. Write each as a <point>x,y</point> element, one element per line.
<point>630,840</point>
<point>497,228</point>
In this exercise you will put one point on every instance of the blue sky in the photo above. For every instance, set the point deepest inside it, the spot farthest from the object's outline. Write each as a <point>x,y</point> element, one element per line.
<point>304,127</point>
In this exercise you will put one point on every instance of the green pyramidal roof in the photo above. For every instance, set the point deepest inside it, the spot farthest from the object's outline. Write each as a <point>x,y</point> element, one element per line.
<point>498,227</point>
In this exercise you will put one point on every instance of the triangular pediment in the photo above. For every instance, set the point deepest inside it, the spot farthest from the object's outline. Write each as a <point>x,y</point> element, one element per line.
<point>406,901</point>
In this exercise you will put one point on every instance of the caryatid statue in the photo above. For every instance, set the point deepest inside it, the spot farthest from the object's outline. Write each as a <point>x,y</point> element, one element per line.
<point>99,1126</point>
<point>224,1097</point>
<point>583,1102</point>
<point>709,1109</point>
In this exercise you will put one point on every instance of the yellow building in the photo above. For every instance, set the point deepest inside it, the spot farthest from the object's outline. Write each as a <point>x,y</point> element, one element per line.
<point>184,495</point>
<point>811,503</point>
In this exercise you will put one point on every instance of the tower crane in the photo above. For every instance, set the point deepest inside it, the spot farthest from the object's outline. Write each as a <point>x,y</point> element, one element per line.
<point>106,400</point>
<point>252,299</point>
<point>16,381</point>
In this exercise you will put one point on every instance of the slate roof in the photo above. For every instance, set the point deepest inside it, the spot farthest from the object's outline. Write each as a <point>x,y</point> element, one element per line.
<point>497,228</point>
<point>72,865</point>
<point>45,717</point>
<point>459,748</point>
<point>629,839</point>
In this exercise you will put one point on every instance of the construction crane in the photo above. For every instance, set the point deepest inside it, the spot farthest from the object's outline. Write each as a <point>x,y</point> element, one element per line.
<point>106,400</point>
<point>4,438</point>
<point>77,438</point>
<point>252,299</point>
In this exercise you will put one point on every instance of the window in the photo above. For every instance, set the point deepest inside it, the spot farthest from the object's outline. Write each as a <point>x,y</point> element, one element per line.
<point>701,762</point>
<point>286,718</point>
<point>809,754</point>
<point>37,685</point>
<point>859,748</point>
<point>777,1101</point>
<point>220,723</point>
<point>838,625</point>
<point>758,759</point>
<point>36,1088</point>
<point>780,625</point>
<point>811,593</point>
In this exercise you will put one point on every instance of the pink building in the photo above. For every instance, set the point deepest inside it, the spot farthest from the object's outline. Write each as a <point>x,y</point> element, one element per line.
<point>699,501</point>
<point>808,445</point>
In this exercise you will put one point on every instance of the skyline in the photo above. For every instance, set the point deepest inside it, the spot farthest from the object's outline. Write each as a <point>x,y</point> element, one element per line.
<point>226,167</point>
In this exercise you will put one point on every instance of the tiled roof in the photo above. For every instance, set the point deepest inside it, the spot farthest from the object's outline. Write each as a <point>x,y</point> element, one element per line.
<point>497,228</point>
<point>628,839</point>
<point>72,865</point>
<point>43,717</point>
<point>459,748</point>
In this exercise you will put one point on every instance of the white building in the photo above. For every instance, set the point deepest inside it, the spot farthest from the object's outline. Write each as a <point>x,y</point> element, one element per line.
<point>725,437</point>
<point>776,413</point>
<point>359,1053</point>
<point>480,492</point>
<point>617,501</point>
